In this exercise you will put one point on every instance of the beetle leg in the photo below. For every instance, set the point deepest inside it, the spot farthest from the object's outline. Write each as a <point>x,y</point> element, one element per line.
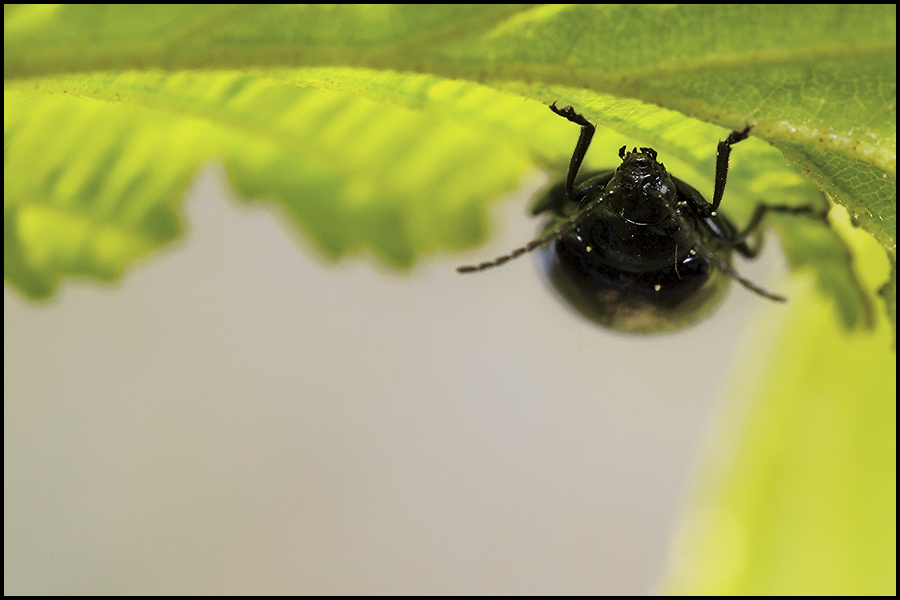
<point>584,141</point>
<point>722,154</point>
<point>701,248</point>
<point>752,230</point>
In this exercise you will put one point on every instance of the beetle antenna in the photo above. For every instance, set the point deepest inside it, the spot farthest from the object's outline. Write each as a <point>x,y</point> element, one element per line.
<point>699,246</point>
<point>563,227</point>
<point>723,153</point>
<point>581,147</point>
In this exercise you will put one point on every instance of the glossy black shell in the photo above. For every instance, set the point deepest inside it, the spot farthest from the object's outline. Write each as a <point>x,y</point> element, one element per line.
<point>631,265</point>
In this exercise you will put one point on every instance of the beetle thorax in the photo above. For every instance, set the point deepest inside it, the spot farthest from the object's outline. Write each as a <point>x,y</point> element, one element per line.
<point>643,189</point>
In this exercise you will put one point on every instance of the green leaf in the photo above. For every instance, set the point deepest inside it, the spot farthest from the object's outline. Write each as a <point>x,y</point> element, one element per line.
<point>799,492</point>
<point>350,172</point>
<point>388,129</point>
<point>363,159</point>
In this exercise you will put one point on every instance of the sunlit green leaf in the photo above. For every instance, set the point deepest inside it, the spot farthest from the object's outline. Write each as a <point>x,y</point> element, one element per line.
<point>799,492</point>
<point>180,85</point>
<point>388,129</point>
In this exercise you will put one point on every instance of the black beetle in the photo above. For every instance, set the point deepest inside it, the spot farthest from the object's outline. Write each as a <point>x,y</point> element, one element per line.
<point>635,249</point>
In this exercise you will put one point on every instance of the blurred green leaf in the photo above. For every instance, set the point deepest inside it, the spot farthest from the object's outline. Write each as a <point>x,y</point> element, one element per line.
<point>388,129</point>
<point>799,492</point>
<point>133,100</point>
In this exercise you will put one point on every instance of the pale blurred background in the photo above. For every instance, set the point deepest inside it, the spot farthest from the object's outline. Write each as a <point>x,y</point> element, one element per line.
<point>240,416</point>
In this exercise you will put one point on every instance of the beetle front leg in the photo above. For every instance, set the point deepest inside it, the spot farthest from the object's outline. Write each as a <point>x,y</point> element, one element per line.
<point>723,152</point>
<point>581,148</point>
